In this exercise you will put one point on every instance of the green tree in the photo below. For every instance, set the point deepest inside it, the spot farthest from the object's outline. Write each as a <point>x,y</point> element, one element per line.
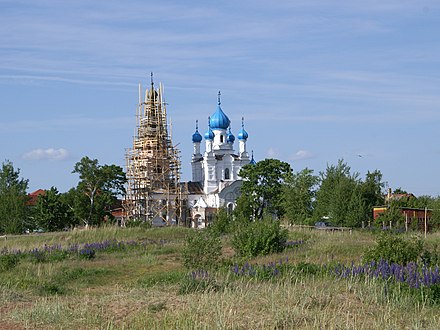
<point>223,222</point>
<point>434,205</point>
<point>393,214</point>
<point>299,195</point>
<point>51,212</point>
<point>263,186</point>
<point>333,199</point>
<point>97,190</point>
<point>356,208</point>
<point>13,199</point>
<point>372,193</point>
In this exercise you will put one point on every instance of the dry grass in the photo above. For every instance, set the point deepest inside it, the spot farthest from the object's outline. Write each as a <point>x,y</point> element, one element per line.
<point>138,289</point>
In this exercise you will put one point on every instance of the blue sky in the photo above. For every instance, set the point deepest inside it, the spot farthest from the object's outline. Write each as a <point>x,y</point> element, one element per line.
<point>316,81</point>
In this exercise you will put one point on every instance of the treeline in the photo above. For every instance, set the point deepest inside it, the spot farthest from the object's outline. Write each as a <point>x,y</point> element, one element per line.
<point>89,203</point>
<point>337,195</point>
<point>270,188</point>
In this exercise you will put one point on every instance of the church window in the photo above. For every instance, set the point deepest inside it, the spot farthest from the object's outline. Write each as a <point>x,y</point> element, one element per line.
<point>227,174</point>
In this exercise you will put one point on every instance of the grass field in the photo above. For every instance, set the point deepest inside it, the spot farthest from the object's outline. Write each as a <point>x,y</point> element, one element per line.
<point>136,280</point>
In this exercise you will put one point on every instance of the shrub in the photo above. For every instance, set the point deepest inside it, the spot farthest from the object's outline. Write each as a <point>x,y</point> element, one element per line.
<point>259,238</point>
<point>432,294</point>
<point>395,249</point>
<point>202,250</point>
<point>222,223</point>
<point>58,255</point>
<point>8,261</point>
<point>51,288</point>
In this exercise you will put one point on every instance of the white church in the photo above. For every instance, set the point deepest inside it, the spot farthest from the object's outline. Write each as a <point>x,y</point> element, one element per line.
<point>215,173</point>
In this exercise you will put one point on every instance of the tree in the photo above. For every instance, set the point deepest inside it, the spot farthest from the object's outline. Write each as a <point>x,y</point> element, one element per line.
<point>262,186</point>
<point>13,199</point>
<point>51,212</point>
<point>333,199</point>
<point>434,204</point>
<point>299,195</point>
<point>97,190</point>
<point>393,215</point>
<point>372,193</point>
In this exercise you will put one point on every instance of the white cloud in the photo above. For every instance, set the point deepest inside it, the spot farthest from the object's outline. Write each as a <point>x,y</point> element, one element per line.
<point>302,154</point>
<point>47,154</point>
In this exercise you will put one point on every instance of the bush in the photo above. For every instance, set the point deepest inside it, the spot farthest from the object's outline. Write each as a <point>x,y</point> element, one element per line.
<point>222,223</point>
<point>259,238</point>
<point>395,249</point>
<point>202,250</point>
<point>51,288</point>
<point>8,261</point>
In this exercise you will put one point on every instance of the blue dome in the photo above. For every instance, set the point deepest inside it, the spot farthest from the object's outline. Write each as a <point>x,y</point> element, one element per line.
<point>209,135</point>
<point>219,120</point>
<point>230,138</point>
<point>242,134</point>
<point>197,137</point>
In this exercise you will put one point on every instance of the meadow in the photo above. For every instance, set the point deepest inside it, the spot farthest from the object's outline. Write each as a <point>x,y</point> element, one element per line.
<point>134,278</point>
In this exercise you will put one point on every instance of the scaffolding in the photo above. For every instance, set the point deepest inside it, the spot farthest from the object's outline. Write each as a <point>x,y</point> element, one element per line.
<point>153,165</point>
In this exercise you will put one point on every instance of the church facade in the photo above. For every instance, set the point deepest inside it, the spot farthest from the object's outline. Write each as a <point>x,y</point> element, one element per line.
<point>215,172</point>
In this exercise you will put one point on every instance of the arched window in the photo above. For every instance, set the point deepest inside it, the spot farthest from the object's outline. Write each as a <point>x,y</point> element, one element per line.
<point>227,175</point>
<point>221,138</point>
<point>230,208</point>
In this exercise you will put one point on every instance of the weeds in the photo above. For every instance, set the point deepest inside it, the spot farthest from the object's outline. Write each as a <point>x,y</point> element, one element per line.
<point>145,285</point>
<point>199,282</point>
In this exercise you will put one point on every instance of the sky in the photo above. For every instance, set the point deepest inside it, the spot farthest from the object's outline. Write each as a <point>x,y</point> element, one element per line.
<point>316,81</point>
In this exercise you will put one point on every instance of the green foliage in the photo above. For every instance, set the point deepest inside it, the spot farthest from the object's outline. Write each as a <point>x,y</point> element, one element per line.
<point>13,199</point>
<point>162,278</point>
<point>87,254</point>
<point>263,186</point>
<point>432,294</point>
<point>337,188</point>
<point>434,204</point>
<point>431,256</point>
<point>223,223</point>
<point>299,194</point>
<point>395,249</point>
<point>58,255</point>
<point>51,213</point>
<point>8,261</point>
<point>198,284</point>
<point>244,208</point>
<point>260,237</point>
<point>138,224</point>
<point>393,214</point>
<point>346,199</point>
<point>305,268</point>
<point>51,288</point>
<point>97,190</point>
<point>202,250</point>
